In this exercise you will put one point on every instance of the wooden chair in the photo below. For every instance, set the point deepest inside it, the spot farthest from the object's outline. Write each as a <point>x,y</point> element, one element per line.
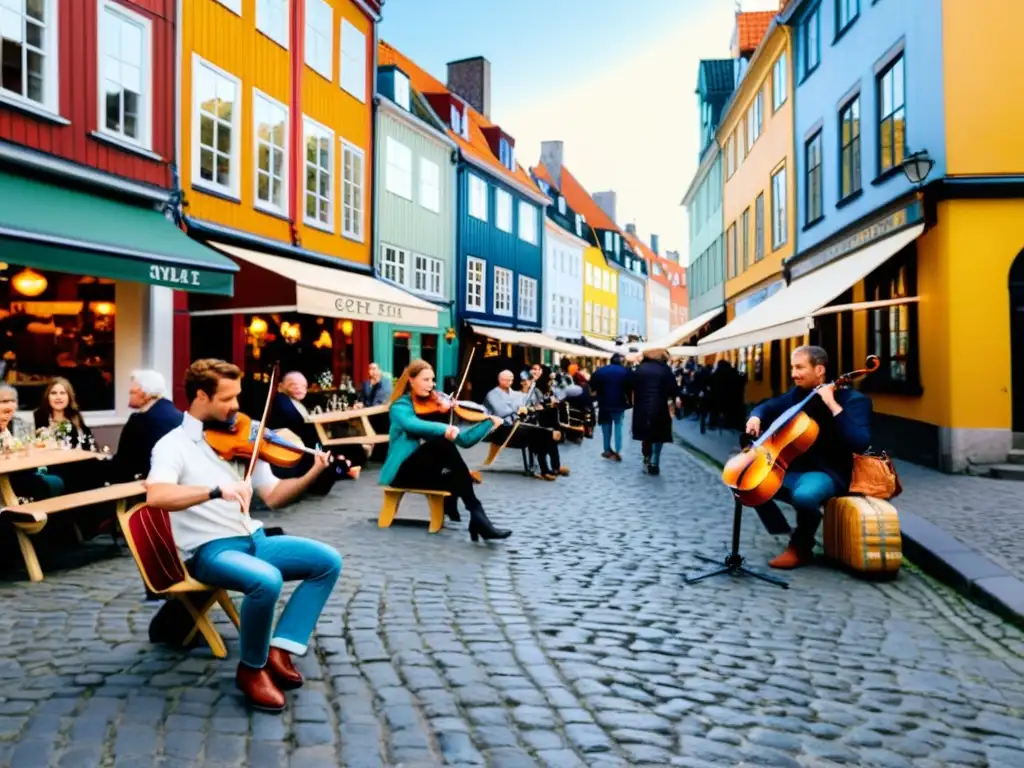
<point>147,531</point>
<point>393,497</point>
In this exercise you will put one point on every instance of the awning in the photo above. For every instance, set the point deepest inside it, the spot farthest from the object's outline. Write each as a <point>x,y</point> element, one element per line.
<point>538,340</point>
<point>684,351</point>
<point>321,290</point>
<point>790,312</point>
<point>684,331</point>
<point>611,347</point>
<point>66,230</point>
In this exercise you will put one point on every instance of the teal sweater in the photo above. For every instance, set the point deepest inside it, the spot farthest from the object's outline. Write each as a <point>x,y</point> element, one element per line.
<point>408,429</point>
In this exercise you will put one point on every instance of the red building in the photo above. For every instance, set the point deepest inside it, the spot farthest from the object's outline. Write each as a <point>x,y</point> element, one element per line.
<point>87,153</point>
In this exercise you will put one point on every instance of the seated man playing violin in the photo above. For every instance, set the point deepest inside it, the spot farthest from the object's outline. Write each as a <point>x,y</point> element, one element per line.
<point>824,470</point>
<point>507,404</point>
<point>208,499</point>
<point>422,449</point>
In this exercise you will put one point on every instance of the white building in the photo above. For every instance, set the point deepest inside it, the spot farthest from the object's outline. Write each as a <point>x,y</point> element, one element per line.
<point>563,281</point>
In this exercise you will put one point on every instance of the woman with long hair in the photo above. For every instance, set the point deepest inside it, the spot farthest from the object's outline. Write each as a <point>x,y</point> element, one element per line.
<point>59,406</point>
<point>425,454</point>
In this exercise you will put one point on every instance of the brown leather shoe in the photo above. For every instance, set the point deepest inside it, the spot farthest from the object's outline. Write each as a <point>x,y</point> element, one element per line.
<point>259,689</point>
<point>283,672</point>
<point>563,471</point>
<point>790,559</point>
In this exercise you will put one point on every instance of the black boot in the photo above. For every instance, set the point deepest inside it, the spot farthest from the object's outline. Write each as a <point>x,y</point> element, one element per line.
<point>480,526</point>
<point>451,509</point>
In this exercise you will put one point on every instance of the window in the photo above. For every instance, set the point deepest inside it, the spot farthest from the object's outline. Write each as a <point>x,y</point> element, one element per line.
<point>352,191</point>
<point>271,129</point>
<point>812,41</point>
<point>272,20</point>
<point>125,74</point>
<point>427,273</point>
<point>507,154</point>
<point>320,37</point>
<point>755,117</point>
<point>588,273</point>
<point>579,225</point>
<point>893,331</point>
<point>759,228</point>
<point>779,220</point>
<point>587,316</point>
<point>353,61</point>
<point>502,291</point>
<point>780,74</point>
<point>847,12</point>
<point>399,169</point>
<point>456,118</point>
<point>730,252</point>
<point>849,153</point>
<point>216,118</point>
<point>393,264</point>
<point>527,222</point>
<point>745,238</point>
<point>401,90</point>
<point>561,205</point>
<point>618,244</point>
<point>503,210</point>
<point>319,174</point>
<point>430,185</point>
<point>28,52</point>
<point>892,118</point>
<point>477,198</point>
<point>476,293</point>
<point>528,300</point>
<point>812,155</point>
<point>608,241</point>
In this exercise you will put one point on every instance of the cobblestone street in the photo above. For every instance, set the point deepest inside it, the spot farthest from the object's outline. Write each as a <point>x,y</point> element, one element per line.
<point>574,643</point>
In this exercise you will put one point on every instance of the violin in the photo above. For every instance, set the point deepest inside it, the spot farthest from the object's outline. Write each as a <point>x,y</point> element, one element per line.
<point>237,440</point>
<point>755,474</point>
<point>440,404</point>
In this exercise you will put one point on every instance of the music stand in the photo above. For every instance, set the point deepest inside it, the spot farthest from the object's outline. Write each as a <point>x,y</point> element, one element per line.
<point>734,562</point>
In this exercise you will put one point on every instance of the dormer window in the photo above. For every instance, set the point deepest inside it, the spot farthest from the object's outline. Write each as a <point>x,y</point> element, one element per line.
<point>579,225</point>
<point>456,118</point>
<point>465,124</point>
<point>561,205</point>
<point>505,154</point>
<point>609,244</point>
<point>401,90</point>
<point>618,245</point>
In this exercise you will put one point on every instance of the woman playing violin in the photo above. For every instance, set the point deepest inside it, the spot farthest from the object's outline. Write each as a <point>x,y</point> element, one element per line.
<point>823,471</point>
<point>422,453</point>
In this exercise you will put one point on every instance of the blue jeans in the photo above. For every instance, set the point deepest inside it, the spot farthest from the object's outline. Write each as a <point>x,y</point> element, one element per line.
<point>806,492</point>
<point>257,566</point>
<point>652,452</point>
<point>609,422</point>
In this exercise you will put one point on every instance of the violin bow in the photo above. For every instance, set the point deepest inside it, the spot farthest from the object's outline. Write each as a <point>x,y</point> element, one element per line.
<point>519,420</point>
<point>462,383</point>
<point>271,391</point>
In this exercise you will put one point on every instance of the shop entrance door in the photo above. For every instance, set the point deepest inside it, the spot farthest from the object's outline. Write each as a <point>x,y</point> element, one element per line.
<point>1017,342</point>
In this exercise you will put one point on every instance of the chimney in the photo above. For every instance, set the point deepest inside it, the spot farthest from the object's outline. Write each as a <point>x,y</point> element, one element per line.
<point>606,202</point>
<point>470,79</point>
<point>551,159</point>
<point>654,244</point>
<point>631,229</point>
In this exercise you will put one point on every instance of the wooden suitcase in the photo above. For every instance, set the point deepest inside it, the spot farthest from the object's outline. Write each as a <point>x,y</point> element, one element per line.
<point>864,535</point>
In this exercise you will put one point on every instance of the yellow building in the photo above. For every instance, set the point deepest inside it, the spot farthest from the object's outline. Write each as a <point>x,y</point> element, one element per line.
<point>600,295</point>
<point>759,199</point>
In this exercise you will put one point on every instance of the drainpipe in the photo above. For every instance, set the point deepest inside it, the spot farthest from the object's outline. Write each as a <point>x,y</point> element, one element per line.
<point>373,176</point>
<point>295,121</point>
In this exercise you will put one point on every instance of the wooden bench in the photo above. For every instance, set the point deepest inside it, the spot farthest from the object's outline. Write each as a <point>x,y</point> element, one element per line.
<point>352,418</point>
<point>393,497</point>
<point>30,518</point>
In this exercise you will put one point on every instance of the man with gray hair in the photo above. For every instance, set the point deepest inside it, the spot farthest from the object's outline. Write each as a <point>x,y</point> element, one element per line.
<point>154,417</point>
<point>824,470</point>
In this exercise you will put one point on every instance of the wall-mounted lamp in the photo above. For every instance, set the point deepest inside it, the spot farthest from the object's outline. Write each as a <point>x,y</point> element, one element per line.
<point>449,335</point>
<point>29,283</point>
<point>347,327</point>
<point>917,166</point>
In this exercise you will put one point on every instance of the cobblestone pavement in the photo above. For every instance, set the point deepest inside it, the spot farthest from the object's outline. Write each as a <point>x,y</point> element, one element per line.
<point>984,513</point>
<point>574,643</point>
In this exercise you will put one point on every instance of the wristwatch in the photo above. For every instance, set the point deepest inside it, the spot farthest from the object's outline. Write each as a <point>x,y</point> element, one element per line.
<point>216,493</point>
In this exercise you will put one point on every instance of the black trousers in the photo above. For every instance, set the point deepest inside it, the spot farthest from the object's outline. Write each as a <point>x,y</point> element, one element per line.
<point>537,440</point>
<point>437,465</point>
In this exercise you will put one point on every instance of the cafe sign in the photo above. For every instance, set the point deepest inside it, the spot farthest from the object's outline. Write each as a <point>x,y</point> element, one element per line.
<point>366,307</point>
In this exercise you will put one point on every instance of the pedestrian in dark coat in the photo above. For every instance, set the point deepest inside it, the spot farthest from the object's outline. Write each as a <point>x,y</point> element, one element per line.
<point>654,391</point>
<point>610,384</point>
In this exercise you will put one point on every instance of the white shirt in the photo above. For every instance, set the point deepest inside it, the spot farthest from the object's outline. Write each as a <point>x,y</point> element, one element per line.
<point>183,457</point>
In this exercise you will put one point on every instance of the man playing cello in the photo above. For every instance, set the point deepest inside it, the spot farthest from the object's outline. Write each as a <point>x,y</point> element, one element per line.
<point>823,471</point>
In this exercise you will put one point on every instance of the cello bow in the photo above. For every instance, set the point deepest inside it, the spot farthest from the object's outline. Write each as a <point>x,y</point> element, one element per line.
<point>263,423</point>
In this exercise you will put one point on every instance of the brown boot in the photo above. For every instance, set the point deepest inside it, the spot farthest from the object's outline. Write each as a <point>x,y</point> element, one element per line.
<point>283,671</point>
<point>790,559</point>
<point>259,689</point>
<point>563,471</point>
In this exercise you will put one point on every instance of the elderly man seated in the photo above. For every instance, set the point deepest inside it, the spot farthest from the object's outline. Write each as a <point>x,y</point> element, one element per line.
<point>154,417</point>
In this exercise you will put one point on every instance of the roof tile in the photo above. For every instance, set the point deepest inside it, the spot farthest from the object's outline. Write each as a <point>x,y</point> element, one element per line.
<point>751,27</point>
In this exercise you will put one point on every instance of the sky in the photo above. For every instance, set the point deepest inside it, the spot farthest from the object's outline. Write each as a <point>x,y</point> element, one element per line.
<point>613,80</point>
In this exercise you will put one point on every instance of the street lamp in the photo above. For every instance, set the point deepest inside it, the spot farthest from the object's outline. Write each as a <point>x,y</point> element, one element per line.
<point>917,166</point>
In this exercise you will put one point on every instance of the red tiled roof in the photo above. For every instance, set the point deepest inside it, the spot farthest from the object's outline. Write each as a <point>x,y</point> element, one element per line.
<point>477,146</point>
<point>579,199</point>
<point>668,267</point>
<point>751,27</point>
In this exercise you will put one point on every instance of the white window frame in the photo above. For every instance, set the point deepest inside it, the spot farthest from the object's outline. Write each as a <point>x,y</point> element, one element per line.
<point>309,127</point>
<point>476,277</point>
<point>528,299</point>
<point>398,168</point>
<point>352,61</point>
<point>588,316</point>
<point>235,6</point>
<point>356,232</point>
<point>394,264</point>
<point>145,115</point>
<point>50,105</point>
<point>588,271</point>
<point>430,185</point>
<point>264,205</point>
<point>561,205</point>
<point>579,224</point>
<point>232,189</point>
<point>502,210</point>
<point>477,193</point>
<point>527,222</point>
<point>503,291</point>
<point>266,10</point>
<point>432,272</point>
<point>315,33</point>
<point>608,242</point>
<point>780,212</point>
<point>401,89</point>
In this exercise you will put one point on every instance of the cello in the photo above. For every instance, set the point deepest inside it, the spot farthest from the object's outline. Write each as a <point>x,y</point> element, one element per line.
<point>756,473</point>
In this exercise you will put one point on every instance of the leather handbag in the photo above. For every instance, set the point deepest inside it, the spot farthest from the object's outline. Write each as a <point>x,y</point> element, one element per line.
<point>874,475</point>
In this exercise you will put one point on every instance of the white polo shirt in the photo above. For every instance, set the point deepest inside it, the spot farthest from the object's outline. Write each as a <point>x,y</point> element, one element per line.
<point>183,457</point>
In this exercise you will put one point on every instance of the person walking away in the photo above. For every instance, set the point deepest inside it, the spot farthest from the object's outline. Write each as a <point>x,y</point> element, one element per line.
<point>654,392</point>
<point>610,384</point>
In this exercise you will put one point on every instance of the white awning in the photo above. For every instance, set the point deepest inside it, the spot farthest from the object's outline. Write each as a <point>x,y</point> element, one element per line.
<point>684,351</point>
<point>791,311</point>
<point>612,348</point>
<point>684,331</point>
<point>328,292</point>
<point>538,340</point>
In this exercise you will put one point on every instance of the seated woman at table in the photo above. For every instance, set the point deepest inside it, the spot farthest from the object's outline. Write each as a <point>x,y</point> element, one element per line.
<point>58,412</point>
<point>28,484</point>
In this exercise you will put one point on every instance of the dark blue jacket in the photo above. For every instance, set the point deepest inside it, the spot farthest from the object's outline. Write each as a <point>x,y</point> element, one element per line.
<point>141,432</point>
<point>611,385</point>
<point>839,437</point>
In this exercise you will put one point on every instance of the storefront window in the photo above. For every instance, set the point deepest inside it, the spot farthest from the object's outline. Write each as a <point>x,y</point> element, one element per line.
<point>56,324</point>
<point>759,362</point>
<point>400,353</point>
<point>892,331</point>
<point>428,349</point>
